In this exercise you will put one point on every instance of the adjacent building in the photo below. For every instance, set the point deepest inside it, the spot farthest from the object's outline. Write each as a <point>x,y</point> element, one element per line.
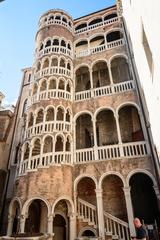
<point>6,130</point>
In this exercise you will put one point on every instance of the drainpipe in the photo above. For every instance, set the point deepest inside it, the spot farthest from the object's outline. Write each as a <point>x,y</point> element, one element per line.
<point>154,156</point>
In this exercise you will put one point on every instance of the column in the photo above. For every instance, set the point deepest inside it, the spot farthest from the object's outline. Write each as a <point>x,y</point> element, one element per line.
<point>72,226</point>
<point>156,189</point>
<point>30,156</point>
<point>41,153</point>
<point>95,139</point>
<point>44,121</point>
<point>100,213</point>
<point>22,223</point>
<point>119,135</point>
<point>110,73</point>
<point>10,225</point>
<point>91,81</point>
<point>50,225</point>
<point>34,123</point>
<point>21,161</point>
<point>74,142</point>
<point>38,92</point>
<point>129,210</point>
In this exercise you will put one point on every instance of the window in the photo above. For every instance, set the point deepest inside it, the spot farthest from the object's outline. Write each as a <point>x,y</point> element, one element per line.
<point>147,50</point>
<point>24,107</point>
<point>29,77</point>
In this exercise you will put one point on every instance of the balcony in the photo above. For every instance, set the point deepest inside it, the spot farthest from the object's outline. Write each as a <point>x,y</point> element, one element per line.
<point>48,127</point>
<point>51,93</point>
<point>101,48</point>
<point>44,161</point>
<point>125,150</point>
<point>49,71</point>
<point>55,49</point>
<point>56,22</point>
<point>88,155</point>
<point>105,91</point>
<point>97,25</point>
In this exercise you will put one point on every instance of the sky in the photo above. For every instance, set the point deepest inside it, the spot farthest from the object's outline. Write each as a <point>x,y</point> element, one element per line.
<point>18,27</point>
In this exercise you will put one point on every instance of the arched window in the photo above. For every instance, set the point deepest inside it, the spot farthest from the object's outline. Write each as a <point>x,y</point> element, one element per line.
<point>60,114</point>
<point>56,42</point>
<point>24,107</point>
<point>63,44</point>
<point>54,62</point>
<point>48,43</point>
<point>62,63</point>
<point>46,63</point>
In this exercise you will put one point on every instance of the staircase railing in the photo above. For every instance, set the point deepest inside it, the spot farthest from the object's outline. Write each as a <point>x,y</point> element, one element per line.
<point>87,212</point>
<point>116,227</point>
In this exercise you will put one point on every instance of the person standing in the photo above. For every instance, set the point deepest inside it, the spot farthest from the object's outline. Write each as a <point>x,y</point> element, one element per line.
<point>141,232</point>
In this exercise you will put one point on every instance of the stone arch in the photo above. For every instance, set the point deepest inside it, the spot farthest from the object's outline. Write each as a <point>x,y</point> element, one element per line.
<point>36,212</point>
<point>48,143</point>
<point>98,110</point>
<point>81,113</point>
<point>138,170</point>
<point>110,15</point>
<point>97,40</point>
<point>77,180</point>
<point>48,42</point>
<point>80,234</point>
<point>54,61</point>
<point>62,62</point>
<point>59,142</point>
<point>114,203</point>
<point>69,202</point>
<point>96,35</point>
<point>79,40</point>
<point>34,89</point>
<point>82,79</point>
<point>52,83</point>
<point>114,34</point>
<point>100,73</point>
<point>81,65</point>
<point>14,213</point>
<point>143,196</point>
<point>117,55</point>
<point>127,104</point>
<point>39,115</point>
<point>61,83</point>
<point>50,113</point>
<point>111,173</point>
<point>81,25</point>
<point>120,68</point>
<point>94,20</point>
<point>30,119</point>
<point>26,150</point>
<point>46,62</point>
<point>60,111</point>
<point>131,131</point>
<point>84,131</point>
<point>27,203</point>
<point>106,129</point>
<point>12,203</point>
<point>43,85</point>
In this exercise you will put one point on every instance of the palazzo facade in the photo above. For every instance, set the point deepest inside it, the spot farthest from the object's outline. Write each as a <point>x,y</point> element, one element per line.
<point>83,166</point>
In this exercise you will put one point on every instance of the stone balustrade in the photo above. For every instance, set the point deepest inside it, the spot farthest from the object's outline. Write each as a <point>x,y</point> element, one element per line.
<point>106,90</point>
<point>97,25</point>
<point>102,153</point>
<point>101,48</point>
<point>47,127</point>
